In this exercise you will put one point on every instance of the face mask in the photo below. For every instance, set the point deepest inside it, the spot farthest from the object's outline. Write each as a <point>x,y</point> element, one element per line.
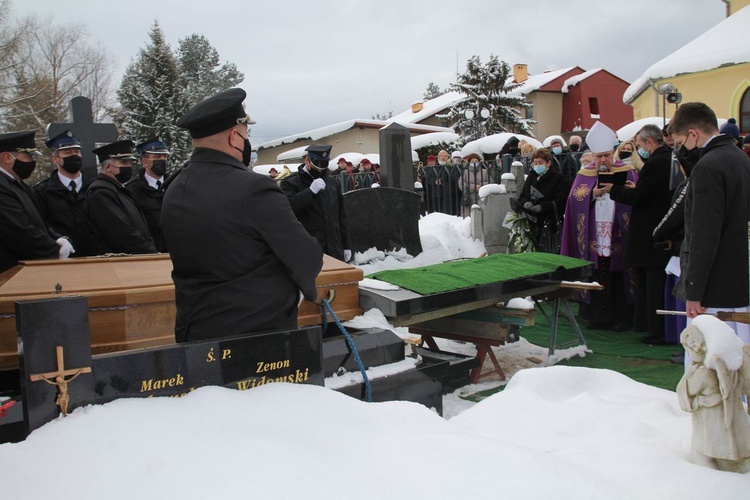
<point>72,164</point>
<point>23,169</point>
<point>688,158</point>
<point>159,167</point>
<point>473,165</point>
<point>574,147</point>
<point>247,151</point>
<point>540,169</point>
<point>643,154</point>
<point>556,150</point>
<point>456,161</point>
<point>624,155</point>
<point>124,174</point>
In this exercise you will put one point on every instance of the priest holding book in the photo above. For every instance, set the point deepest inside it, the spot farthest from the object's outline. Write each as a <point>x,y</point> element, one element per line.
<point>596,228</point>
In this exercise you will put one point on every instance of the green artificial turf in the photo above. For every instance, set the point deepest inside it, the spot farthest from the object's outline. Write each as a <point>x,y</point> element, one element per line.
<point>472,272</point>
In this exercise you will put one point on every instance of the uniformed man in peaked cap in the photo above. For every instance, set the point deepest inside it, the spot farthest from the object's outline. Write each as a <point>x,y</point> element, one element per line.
<point>148,188</point>
<point>62,196</point>
<point>118,225</point>
<point>24,233</point>
<point>316,199</point>
<point>240,257</point>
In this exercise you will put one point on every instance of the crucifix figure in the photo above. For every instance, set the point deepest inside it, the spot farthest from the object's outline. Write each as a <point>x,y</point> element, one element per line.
<point>59,379</point>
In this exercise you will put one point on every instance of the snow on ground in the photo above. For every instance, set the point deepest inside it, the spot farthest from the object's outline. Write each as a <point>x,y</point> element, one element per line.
<point>554,432</point>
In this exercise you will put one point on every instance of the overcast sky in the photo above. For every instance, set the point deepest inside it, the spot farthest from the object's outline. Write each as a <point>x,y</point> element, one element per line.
<point>312,63</point>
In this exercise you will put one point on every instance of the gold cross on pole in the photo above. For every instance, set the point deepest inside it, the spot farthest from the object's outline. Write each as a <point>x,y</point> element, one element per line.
<point>59,379</point>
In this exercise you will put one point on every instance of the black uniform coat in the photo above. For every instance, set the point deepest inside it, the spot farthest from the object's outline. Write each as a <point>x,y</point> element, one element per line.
<point>149,201</point>
<point>240,256</point>
<point>116,222</point>
<point>23,233</point>
<point>322,214</point>
<point>64,211</point>
<point>650,200</point>
<point>714,257</point>
<point>555,189</point>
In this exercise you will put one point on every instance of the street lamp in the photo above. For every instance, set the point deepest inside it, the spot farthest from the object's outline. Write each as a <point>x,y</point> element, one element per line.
<point>477,117</point>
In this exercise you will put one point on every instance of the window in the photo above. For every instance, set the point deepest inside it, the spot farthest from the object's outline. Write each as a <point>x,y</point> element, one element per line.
<point>593,105</point>
<point>745,113</point>
<point>530,113</point>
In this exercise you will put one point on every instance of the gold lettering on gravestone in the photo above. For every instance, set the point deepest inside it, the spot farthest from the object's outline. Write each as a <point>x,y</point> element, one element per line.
<point>210,357</point>
<point>59,379</point>
<point>155,385</point>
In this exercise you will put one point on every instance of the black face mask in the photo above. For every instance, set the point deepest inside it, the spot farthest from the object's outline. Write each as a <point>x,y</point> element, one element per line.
<point>574,147</point>
<point>124,174</point>
<point>72,164</point>
<point>625,154</point>
<point>246,152</point>
<point>687,158</point>
<point>159,167</point>
<point>23,169</point>
<point>317,174</point>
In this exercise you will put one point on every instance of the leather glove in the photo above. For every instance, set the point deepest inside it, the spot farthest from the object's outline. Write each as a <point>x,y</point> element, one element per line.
<point>317,185</point>
<point>347,255</point>
<point>65,248</point>
<point>536,209</point>
<point>528,205</point>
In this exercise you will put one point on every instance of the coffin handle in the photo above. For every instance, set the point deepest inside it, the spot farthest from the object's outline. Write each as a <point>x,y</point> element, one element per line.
<point>331,297</point>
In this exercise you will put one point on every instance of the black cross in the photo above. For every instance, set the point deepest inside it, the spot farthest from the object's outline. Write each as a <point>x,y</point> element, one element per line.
<point>89,133</point>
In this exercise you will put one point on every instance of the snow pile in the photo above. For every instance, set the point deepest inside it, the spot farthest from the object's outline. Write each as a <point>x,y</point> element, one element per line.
<point>489,189</point>
<point>492,144</point>
<point>721,341</point>
<point>519,303</point>
<point>557,432</point>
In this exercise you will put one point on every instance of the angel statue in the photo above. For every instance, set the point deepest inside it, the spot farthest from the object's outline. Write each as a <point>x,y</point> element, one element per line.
<point>712,390</point>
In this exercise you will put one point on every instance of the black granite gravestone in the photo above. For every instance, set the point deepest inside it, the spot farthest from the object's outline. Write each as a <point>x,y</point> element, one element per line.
<point>384,218</point>
<point>395,157</point>
<point>91,134</point>
<point>54,349</point>
<point>293,356</point>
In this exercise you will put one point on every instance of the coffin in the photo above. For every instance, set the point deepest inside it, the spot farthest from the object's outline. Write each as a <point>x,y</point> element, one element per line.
<point>131,299</point>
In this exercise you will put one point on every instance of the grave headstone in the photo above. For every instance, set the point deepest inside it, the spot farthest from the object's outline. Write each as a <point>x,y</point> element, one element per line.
<point>395,157</point>
<point>487,222</point>
<point>54,349</point>
<point>91,134</point>
<point>384,218</point>
<point>58,373</point>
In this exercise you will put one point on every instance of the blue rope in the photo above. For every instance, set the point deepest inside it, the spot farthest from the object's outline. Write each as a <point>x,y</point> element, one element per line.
<point>352,348</point>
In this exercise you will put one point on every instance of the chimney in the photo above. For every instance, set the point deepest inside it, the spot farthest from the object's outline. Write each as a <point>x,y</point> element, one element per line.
<point>416,107</point>
<point>520,73</point>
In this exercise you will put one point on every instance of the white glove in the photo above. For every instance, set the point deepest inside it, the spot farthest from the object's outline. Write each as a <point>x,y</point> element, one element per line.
<point>317,185</point>
<point>347,255</point>
<point>65,248</point>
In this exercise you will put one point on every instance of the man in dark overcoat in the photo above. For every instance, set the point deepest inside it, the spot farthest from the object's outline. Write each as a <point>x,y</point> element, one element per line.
<point>240,257</point>
<point>148,187</point>
<point>714,256</point>
<point>62,196</point>
<point>317,202</point>
<point>117,224</point>
<point>650,199</point>
<point>24,233</point>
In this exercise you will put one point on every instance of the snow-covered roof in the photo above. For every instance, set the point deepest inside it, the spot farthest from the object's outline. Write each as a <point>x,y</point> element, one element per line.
<point>329,130</point>
<point>535,82</point>
<point>548,141</point>
<point>725,44</point>
<point>292,154</point>
<point>492,144</point>
<point>429,108</point>
<point>575,80</point>
<point>627,132</point>
<point>433,139</point>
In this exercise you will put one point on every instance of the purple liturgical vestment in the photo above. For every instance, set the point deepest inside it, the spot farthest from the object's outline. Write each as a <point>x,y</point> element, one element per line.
<point>579,227</point>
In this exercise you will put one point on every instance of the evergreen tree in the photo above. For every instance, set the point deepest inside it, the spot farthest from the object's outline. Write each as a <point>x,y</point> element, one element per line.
<point>151,99</point>
<point>201,74</point>
<point>432,91</point>
<point>488,87</point>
